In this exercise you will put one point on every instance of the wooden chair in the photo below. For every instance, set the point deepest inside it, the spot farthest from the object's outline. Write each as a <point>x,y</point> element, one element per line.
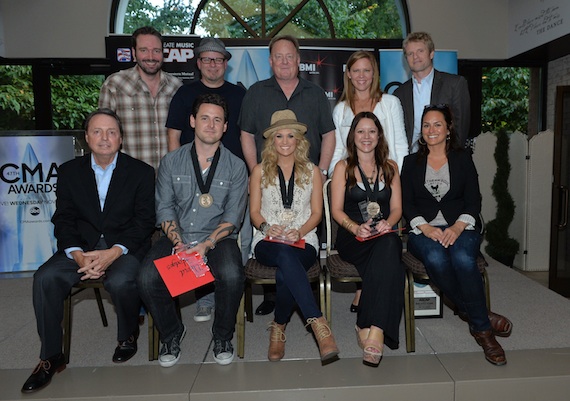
<point>96,284</point>
<point>336,269</point>
<point>256,273</point>
<point>416,272</point>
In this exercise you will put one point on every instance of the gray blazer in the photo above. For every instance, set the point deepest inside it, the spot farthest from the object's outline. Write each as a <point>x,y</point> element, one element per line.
<point>447,88</point>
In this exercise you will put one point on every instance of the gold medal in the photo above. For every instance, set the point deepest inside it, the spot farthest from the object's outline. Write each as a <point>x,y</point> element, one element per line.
<point>373,209</point>
<point>205,200</point>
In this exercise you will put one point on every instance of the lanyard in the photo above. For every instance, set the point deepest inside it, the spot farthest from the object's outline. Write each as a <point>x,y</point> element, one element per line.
<point>204,187</point>
<point>286,193</point>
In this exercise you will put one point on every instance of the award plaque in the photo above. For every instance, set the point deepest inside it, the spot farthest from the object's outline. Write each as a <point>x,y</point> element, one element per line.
<point>205,200</point>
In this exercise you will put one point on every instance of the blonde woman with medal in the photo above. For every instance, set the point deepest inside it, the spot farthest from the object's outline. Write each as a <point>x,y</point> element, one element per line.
<point>366,201</point>
<point>286,203</point>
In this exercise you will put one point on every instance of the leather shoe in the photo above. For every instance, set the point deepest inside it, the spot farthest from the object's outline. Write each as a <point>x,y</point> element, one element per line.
<point>265,308</point>
<point>501,326</point>
<point>42,374</point>
<point>494,353</point>
<point>126,349</point>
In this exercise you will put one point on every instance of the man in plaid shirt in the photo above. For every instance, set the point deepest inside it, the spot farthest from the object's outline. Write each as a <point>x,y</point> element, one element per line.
<point>141,97</point>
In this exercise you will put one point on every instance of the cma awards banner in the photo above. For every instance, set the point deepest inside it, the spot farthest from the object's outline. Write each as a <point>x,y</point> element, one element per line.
<point>28,175</point>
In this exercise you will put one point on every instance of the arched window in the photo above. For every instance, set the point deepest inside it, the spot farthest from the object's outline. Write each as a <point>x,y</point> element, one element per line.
<point>341,19</point>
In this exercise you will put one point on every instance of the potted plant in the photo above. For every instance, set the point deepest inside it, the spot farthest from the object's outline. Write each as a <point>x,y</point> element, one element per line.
<point>500,246</point>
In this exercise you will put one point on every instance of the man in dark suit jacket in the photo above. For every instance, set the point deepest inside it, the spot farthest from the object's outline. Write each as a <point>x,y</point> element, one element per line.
<point>446,88</point>
<point>103,222</point>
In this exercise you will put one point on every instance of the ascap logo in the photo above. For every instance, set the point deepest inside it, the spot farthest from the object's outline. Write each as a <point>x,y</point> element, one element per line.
<point>179,52</point>
<point>178,55</point>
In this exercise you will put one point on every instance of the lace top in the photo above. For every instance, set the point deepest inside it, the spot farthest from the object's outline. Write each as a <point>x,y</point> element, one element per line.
<point>272,207</point>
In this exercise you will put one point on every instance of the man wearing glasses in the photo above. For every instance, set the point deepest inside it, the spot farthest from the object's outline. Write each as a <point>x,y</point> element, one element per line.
<point>212,61</point>
<point>429,86</point>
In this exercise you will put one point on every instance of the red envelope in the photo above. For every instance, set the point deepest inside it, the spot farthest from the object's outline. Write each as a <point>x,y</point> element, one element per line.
<point>183,272</point>
<point>378,235</point>
<point>297,244</point>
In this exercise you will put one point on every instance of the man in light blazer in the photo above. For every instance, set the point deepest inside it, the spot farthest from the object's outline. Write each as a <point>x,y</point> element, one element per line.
<point>103,222</point>
<point>430,86</point>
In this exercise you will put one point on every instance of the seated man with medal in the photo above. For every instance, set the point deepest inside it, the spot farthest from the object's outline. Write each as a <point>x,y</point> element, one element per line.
<point>286,205</point>
<point>366,201</point>
<point>201,196</point>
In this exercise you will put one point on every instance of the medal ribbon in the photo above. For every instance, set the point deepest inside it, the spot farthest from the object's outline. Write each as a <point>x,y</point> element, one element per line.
<point>371,193</point>
<point>286,193</point>
<point>204,187</point>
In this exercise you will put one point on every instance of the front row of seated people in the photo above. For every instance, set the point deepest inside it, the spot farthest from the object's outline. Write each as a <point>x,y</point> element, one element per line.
<point>106,213</point>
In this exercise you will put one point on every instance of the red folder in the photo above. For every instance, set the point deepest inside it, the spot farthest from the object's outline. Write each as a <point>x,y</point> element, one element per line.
<point>378,235</point>
<point>183,272</point>
<point>297,244</point>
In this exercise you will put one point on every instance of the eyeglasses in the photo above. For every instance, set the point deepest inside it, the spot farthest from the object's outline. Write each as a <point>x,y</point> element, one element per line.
<point>208,60</point>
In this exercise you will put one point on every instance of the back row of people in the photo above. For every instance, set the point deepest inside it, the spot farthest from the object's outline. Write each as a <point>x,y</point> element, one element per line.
<point>180,184</point>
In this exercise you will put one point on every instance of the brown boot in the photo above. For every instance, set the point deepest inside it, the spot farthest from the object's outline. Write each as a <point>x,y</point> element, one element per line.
<point>325,339</point>
<point>276,342</point>
<point>494,353</point>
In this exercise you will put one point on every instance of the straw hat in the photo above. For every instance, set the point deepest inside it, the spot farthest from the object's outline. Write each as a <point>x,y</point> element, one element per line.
<point>212,45</point>
<point>284,119</point>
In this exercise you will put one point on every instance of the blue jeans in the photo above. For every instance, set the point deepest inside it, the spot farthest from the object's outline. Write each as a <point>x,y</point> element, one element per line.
<point>293,287</point>
<point>225,264</point>
<point>454,271</point>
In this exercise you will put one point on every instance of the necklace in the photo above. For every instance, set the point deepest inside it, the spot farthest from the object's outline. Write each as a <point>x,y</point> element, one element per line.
<point>371,178</point>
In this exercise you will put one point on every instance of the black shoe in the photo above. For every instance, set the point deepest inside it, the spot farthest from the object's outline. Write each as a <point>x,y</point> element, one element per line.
<point>126,349</point>
<point>265,308</point>
<point>42,374</point>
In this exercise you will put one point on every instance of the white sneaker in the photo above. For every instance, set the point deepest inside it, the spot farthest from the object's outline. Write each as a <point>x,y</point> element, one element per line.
<point>170,352</point>
<point>203,314</point>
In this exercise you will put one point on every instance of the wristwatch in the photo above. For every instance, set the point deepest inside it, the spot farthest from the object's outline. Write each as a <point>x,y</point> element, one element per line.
<point>263,227</point>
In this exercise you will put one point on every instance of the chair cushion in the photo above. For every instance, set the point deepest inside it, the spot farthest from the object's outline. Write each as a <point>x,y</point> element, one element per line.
<point>339,268</point>
<point>255,270</point>
<point>418,269</point>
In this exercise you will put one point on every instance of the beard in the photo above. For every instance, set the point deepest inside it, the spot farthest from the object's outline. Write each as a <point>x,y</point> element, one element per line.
<point>152,69</point>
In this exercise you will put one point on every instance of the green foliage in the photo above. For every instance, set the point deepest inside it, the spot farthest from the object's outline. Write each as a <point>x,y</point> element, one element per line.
<point>16,98</point>
<point>73,98</point>
<point>505,99</point>
<point>359,19</point>
<point>174,17</point>
<point>500,246</point>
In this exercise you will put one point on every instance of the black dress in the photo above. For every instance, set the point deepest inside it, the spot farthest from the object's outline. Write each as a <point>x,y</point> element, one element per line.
<point>378,262</point>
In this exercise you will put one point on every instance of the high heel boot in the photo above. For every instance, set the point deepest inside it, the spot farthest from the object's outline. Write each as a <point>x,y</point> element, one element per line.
<point>325,339</point>
<point>276,342</point>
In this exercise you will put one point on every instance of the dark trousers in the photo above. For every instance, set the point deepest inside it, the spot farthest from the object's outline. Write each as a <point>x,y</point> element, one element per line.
<point>225,264</point>
<point>52,283</point>
<point>293,287</point>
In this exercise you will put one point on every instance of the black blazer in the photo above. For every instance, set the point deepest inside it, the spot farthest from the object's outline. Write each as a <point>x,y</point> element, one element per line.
<point>128,216</point>
<point>448,89</point>
<point>463,196</point>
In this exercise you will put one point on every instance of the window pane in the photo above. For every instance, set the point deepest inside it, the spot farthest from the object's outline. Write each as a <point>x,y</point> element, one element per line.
<point>16,98</point>
<point>73,98</point>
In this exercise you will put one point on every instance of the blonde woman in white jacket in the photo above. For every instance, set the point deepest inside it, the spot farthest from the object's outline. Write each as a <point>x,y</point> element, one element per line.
<point>362,93</point>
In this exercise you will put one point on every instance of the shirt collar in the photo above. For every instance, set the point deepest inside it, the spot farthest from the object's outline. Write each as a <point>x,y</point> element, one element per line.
<point>95,166</point>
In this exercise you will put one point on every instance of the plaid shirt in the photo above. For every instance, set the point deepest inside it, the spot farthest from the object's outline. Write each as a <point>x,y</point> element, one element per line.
<point>143,116</point>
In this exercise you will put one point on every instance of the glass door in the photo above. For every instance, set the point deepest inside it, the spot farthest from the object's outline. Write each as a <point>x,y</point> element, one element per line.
<point>559,273</point>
